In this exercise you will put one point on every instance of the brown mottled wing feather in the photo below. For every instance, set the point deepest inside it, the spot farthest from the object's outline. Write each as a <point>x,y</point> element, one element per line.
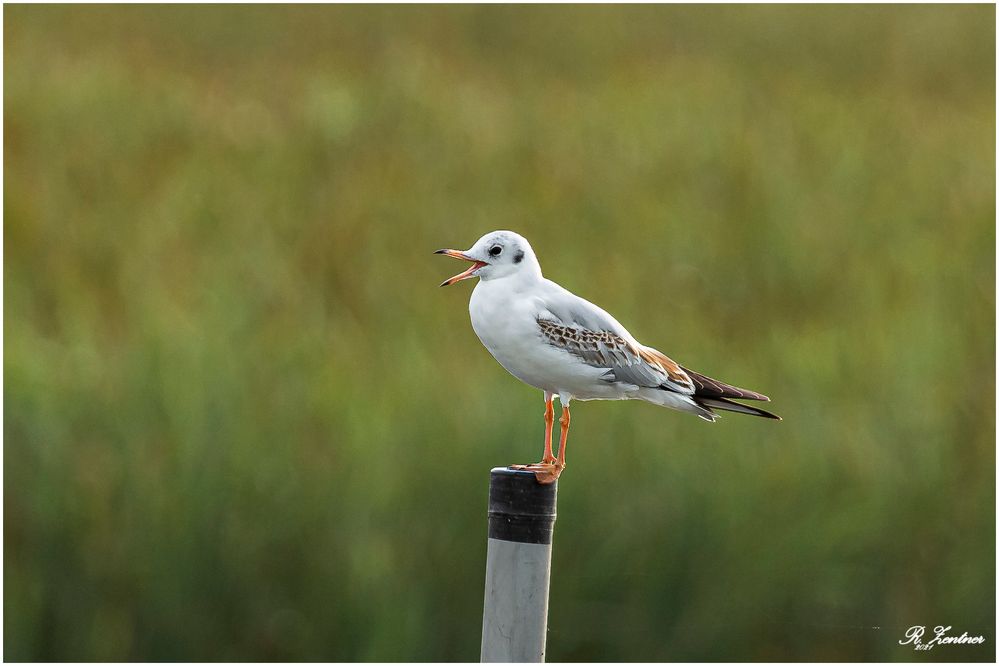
<point>712,388</point>
<point>624,360</point>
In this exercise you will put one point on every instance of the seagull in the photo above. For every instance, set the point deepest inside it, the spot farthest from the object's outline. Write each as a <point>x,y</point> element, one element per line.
<point>551,339</point>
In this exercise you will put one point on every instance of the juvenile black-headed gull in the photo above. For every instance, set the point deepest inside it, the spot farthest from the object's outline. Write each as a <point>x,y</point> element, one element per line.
<point>553,340</point>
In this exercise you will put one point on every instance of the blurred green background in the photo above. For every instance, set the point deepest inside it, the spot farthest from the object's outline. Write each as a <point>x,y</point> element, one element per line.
<point>243,423</point>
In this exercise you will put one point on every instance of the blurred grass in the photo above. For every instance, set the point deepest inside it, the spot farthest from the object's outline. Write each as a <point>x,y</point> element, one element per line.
<point>242,423</point>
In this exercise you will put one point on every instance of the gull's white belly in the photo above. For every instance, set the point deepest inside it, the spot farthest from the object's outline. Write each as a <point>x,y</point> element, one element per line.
<point>508,328</point>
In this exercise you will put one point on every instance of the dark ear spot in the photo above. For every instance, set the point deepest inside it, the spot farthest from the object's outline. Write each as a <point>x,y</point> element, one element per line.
<point>519,257</point>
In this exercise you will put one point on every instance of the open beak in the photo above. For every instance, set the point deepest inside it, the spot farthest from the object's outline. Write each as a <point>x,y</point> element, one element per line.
<point>476,265</point>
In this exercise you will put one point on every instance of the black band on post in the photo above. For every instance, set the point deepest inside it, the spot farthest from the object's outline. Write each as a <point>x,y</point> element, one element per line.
<point>520,508</point>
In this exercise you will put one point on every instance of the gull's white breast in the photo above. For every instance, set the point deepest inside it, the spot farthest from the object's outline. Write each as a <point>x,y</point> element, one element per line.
<point>504,315</point>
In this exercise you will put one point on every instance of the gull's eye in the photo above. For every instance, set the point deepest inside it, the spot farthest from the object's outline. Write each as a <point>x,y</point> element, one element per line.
<point>495,250</point>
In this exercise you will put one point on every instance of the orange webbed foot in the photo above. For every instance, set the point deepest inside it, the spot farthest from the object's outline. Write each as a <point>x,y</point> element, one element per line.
<point>544,472</point>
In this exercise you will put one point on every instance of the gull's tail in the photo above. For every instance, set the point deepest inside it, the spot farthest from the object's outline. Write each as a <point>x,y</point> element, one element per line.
<point>712,394</point>
<point>709,395</point>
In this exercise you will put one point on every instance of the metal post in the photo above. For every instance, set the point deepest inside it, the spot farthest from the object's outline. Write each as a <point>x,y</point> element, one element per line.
<point>518,567</point>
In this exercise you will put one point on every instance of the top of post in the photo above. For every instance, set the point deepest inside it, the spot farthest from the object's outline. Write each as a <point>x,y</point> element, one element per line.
<point>520,508</point>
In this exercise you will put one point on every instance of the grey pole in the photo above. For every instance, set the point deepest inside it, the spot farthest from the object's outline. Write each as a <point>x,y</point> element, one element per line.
<point>518,567</point>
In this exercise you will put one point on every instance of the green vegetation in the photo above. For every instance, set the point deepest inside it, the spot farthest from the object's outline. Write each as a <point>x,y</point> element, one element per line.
<point>242,422</point>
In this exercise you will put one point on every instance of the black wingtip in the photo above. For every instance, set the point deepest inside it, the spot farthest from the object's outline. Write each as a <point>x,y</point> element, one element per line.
<point>727,405</point>
<point>764,413</point>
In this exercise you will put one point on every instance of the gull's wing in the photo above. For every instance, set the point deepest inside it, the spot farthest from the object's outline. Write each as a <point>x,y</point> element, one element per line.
<point>592,335</point>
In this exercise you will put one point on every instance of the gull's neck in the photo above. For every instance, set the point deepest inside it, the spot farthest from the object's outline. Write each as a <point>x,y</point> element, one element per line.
<point>528,275</point>
<point>526,279</point>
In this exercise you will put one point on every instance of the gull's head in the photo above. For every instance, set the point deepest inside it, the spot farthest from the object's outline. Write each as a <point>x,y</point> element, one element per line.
<point>498,254</point>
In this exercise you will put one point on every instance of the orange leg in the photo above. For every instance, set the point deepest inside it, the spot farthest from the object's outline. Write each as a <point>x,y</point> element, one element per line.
<point>549,457</point>
<point>563,435</point>
<point>546,469</point>
<point>549,472</point>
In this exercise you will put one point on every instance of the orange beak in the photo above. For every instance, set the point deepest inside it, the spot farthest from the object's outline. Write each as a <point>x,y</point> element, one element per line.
<point>476,265</point>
